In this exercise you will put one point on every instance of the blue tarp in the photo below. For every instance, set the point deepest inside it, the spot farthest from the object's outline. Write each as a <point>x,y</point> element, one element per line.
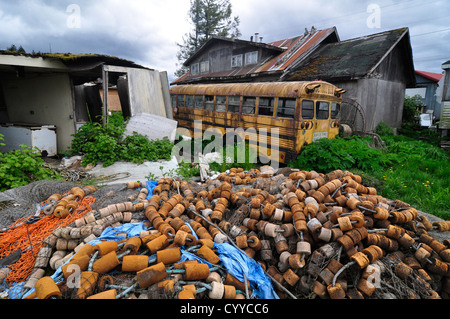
<point>237,263</point>
<point>151,186</point>
<point>234,261</point>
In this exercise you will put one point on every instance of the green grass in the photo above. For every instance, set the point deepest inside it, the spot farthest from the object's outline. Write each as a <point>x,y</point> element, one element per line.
<point>421,178</point>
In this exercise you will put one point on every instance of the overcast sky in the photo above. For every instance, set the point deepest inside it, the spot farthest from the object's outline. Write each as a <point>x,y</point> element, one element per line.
<point>146,31</point>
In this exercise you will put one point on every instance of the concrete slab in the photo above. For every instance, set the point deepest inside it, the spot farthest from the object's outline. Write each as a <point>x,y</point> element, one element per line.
<point>123,172</point>
<point>154,127</point>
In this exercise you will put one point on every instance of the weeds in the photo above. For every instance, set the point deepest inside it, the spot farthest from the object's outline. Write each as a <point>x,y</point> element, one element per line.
<point>108,145</point>
<point>21,167</point>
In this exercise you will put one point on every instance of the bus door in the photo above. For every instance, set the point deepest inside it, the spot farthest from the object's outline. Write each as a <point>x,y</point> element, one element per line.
<point>322,123</point>
<point>335,119</point>
<point>305,125</point>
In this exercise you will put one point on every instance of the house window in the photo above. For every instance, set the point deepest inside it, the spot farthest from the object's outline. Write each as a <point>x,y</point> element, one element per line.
<point>194,68</point>
<point>236,61</point>
<point>249,105</point>
<point>251,57</point>
<point>221,103</point>
<point>286,108</point>
<point>234,103</point>
<point>335,111</point>
<point>209,103</point>
<point>322,110</point>
<point>204,67</point>
<point>307,110</point>
<point>266,106</point>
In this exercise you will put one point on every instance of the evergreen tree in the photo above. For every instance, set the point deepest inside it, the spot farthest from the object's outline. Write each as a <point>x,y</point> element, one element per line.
<point>209,18</point>
<point>21,50</point>
<point>12,48</point>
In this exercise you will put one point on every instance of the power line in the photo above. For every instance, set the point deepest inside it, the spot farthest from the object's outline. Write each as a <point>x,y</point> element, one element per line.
<point>437,31</point>
<point>318,23</point>
<point>432,58</point>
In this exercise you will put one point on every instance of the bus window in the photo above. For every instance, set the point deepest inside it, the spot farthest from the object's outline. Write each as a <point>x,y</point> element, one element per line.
<point>249,105</point>
<point>307,110</point>
<point>335,111</point>
<point>322,110</point>
<point>189,101</point>
<point>198,102</point>
<point>209,103</point>
<point>221,103</point>
<point>266,106</point>
<point>180,100</point>
<point>234,103</point>
<point>174,100</point>
<point>286,107</point>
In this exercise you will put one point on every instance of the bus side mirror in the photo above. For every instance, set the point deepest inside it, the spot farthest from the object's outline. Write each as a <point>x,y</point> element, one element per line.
<point>339,92</point>
<point>311,88</point>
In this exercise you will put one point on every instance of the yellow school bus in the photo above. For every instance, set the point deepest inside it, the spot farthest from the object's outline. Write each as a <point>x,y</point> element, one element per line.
<point>303,112</point>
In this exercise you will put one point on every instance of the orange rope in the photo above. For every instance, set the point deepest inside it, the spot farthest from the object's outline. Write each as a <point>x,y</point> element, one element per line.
<point>20,238</point>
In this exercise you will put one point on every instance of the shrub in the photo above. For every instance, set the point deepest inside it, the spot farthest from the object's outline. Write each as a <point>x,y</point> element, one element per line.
<point>21,167</point>
<point>327,155</point>
<point>384,129</point>
<point>411,108</point>
<point>107,144</point>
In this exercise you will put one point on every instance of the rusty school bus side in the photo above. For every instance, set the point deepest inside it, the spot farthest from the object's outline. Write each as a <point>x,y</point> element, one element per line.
<point>301,112</point>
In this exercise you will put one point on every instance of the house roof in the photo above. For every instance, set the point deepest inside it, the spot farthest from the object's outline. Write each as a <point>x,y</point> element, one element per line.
<point>72,61</point>
<point>215,39</point>
<point>436,77</point>
<point>354,58</point>
<point>287,53</point>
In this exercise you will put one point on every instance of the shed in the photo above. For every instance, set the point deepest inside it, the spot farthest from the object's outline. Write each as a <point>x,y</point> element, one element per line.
<point>427,84</point>
<point>62,91</point>
<point>444,93</point>
<point>375,70</point>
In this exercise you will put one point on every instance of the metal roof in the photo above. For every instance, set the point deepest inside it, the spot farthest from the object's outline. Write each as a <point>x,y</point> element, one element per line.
<point>70,60</point>
<point>436,77</point>
<point>355,58</point>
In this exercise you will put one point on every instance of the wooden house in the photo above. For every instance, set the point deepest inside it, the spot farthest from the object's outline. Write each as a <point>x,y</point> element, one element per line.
<point>375,70</point>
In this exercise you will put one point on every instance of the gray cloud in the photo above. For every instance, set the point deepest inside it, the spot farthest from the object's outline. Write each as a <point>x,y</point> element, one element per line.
<point>146,31</point>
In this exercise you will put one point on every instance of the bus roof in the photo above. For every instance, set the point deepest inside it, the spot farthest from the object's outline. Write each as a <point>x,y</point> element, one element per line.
<point>287,89</point>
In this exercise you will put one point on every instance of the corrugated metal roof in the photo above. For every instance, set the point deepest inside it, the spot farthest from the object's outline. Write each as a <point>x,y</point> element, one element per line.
<point>436,77</point>
<point>292,50</point>
<point>354,58</point>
